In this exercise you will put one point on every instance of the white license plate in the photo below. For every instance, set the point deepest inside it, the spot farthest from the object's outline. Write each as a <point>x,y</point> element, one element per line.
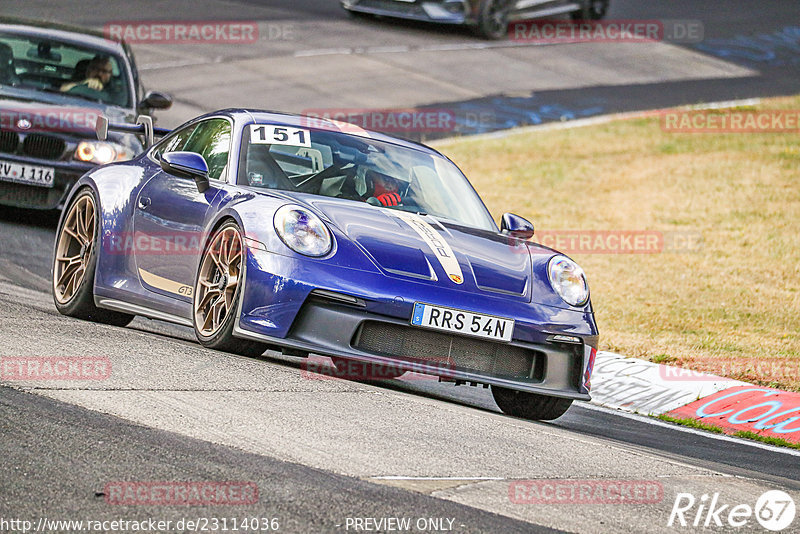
<point>27,174</point>
<point>462,322</point>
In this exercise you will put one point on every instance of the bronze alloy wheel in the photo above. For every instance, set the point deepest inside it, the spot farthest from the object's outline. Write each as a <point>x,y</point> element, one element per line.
<point>218,281</point>
<point>75,249</point>
<point>217,292</point>
<point>75,263</point>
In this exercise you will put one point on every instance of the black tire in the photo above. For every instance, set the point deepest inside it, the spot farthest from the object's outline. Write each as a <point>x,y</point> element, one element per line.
<point>530,405</point>
<point>222,337</point>
<point>591,10</point>
<point>493,19</point>
<point>364,371</point>
<point>78,302</point>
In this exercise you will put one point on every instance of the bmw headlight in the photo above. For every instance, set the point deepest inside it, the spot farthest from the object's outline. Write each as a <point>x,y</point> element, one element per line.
<point>568,280</point>
<point>102,152</point>
<point>302,231</point>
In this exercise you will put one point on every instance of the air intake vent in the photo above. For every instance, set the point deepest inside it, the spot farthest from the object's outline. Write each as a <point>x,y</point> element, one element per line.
<point>28,195</point>
<point>390,5</point>
<point>447,351</point>
<point>9,142</point>
<point>43,146</point>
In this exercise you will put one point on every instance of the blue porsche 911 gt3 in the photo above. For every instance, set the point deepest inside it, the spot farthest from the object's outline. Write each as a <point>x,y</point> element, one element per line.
<point>264,231</point>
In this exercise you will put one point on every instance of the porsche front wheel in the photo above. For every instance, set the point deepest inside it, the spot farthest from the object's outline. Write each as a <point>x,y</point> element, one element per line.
<point>217,291</point>
<point>530,405</point>
<point>75,263</point>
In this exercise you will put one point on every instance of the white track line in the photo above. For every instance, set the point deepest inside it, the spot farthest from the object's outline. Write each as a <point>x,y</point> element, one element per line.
<point>400,477</point>
<point>688,430</point>
<point>444,47</point>
<point>592,121</point>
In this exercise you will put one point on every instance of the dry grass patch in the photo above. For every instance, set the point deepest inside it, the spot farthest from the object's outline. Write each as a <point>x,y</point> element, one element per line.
<point>731,308</point>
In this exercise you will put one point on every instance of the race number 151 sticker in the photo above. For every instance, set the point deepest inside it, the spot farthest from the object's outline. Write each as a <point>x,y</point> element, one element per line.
<point>265,134</point>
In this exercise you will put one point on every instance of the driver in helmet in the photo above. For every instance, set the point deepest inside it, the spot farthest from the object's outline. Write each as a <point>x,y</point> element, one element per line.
<point>386,190</point>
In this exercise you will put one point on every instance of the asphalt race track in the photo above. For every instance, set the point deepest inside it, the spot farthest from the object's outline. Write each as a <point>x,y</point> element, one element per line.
<point>323,452</point>
<point>311,56</point>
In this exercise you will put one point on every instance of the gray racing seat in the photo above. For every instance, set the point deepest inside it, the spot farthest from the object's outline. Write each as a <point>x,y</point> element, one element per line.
<point>263,171</point>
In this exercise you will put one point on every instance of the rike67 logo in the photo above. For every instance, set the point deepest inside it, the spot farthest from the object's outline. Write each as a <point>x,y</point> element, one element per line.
<point>774,510</point>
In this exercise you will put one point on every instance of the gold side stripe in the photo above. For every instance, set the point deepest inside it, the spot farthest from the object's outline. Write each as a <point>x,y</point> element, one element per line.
<point>165,284</point>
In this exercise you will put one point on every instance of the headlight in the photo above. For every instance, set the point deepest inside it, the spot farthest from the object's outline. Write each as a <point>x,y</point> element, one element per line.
<point>569,281</point>
<point>302,231</point>
<point>102,152</point>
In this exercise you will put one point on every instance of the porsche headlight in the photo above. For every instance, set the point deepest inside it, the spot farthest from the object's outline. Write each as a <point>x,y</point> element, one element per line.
<point>568,280</point>
<point>102,152</point>
<point>302,231</point>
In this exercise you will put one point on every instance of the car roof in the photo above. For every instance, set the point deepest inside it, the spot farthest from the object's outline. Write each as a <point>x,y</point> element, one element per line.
<point>260,116</point>
<point>64,33</point>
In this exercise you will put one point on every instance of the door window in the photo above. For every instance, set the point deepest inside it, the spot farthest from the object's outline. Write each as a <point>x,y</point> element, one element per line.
<point>212,140</point>
<point>176,141</point>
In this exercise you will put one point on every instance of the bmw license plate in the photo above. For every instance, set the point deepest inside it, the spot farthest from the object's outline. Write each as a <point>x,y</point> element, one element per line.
<point>462,322</point>
<point>27,174</point>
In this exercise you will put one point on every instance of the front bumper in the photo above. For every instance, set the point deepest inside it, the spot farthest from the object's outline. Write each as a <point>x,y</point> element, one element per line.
<point>330,315</point>
<point>447,11</point>
<point>32,196</point>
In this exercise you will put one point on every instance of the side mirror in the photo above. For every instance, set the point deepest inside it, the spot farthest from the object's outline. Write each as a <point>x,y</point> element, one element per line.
<point>516,226</point>
<point>187,165</point>
<point>156,100</point>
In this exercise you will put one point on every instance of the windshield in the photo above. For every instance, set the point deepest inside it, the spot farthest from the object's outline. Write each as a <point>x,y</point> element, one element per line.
<point>361,169</point>
<point>33,64</point>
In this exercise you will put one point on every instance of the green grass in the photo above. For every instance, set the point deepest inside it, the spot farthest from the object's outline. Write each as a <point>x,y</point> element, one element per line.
<point>744,434</point>
<point>730,305</point>
<point>778,442</point>
<point>663,358</point>
<point>691,423</point>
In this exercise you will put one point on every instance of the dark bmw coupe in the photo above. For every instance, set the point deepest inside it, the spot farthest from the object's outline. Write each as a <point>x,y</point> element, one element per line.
<point>55,81</point>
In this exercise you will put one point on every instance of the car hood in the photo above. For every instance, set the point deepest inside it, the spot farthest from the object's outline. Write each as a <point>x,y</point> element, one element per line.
<point>425,248</point>
<point>56,114</point>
